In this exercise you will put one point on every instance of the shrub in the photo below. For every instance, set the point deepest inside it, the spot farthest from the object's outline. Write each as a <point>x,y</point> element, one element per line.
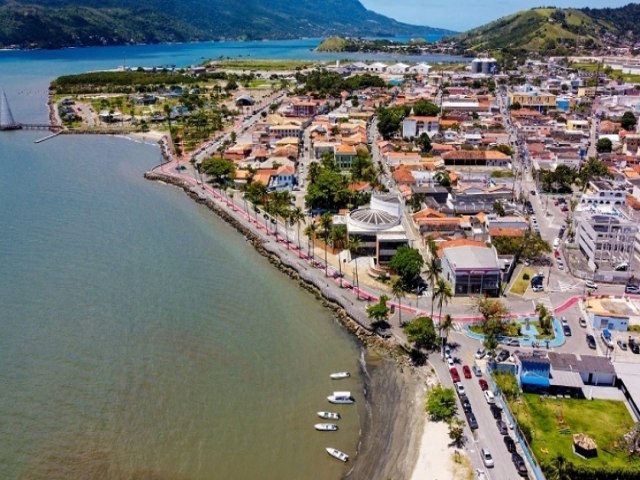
<point>441,403</point>
<point>526,276</point>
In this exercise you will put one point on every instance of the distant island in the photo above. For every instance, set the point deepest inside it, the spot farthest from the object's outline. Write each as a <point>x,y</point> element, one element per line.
<point>74,23</point>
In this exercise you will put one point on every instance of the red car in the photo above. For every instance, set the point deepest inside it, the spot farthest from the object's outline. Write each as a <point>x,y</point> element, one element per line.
<point>483,384</point>
<point>455,376</point>
<point>466,371</point>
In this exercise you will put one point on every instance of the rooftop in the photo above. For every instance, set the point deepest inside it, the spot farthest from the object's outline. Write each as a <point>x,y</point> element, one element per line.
<point>470,257</point>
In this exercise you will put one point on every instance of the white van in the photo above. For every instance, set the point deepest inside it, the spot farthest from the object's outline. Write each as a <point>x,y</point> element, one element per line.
<point>556,243</point>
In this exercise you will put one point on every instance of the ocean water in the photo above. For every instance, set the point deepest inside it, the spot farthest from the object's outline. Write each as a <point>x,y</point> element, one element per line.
<point>140,336</point>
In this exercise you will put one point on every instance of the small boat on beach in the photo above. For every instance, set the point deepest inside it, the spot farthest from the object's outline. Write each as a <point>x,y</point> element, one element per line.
<point>339,375</point>
<point>341,397</point>
<point>329,415</point>
<point>326,427</point>
<point>334,452</point>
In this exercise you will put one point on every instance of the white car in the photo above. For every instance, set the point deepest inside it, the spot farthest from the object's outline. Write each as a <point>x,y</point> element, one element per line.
<point>487,459</point>
<point>450,362</point>
<point>489,397</point>
<point>459,388</point>
<point>480,353</point>
<point>537,288</point>
<point>556,243</point>
<point>591,285</point>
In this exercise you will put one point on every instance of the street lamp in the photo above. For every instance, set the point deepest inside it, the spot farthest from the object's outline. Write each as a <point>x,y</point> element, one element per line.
<point>340,268</point>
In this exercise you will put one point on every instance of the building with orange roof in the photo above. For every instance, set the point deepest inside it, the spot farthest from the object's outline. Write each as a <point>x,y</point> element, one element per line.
<point>505,232</point>
<point>440,148</point>
<point>282,179</point>
<point>394,159</point>
<point>344,155</point>
<point>403,176</point>
<point>484,158</point>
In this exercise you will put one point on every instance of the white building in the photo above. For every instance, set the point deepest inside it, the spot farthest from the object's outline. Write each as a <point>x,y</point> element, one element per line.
<point>605,234</point>
<point>420,69</point>
<point>472,270</point>
<point>398,68</point>
<point>413,126</point>
<point>379,227</point>
<point>604,192</point>
<point>377,67</point>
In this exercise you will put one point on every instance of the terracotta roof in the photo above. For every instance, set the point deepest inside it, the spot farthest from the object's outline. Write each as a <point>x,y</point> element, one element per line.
<point>442,147</point>
<point>475,155</point>
<point>359,186</point>
<point>346,149</point>
<point>506,232</point>
<point>418,118</point>
<point>403,175</point>
<point>429,213</point>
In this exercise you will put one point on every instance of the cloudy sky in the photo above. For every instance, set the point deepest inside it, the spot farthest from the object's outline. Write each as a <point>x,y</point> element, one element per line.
<point>462,15</point>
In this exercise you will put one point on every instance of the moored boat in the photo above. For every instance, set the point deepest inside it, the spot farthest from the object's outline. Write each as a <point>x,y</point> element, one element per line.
<point>341,397</point>
<point>329,415</point>
<point>339,375</point>
<point>334,452</point>
<point>326,427</point>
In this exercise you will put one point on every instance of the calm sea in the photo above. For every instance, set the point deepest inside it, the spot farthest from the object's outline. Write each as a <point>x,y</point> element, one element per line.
<point>140,336</point>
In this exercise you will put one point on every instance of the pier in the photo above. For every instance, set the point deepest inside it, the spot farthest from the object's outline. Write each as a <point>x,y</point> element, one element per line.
<point>8,122</point>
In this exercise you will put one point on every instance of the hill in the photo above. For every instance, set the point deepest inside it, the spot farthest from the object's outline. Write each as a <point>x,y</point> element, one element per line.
<point>60,23</point>
<point>547,30</point>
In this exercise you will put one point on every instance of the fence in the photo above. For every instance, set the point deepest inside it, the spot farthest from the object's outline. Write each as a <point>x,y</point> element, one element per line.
<point>520,438</point>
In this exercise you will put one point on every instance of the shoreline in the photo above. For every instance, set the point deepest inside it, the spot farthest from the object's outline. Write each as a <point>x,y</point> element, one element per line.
<point>389,443</point>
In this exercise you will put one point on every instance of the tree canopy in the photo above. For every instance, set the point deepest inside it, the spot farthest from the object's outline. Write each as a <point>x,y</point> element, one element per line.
<point>628,121</point>
<point>441,403</point>
<point>424,108</point>
<point>604,145</point>
<point>389,120</point>
<point>421,332</point>
<point>408,263</point>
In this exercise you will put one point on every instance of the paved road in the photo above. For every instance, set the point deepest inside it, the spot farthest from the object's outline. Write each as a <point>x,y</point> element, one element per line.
<point>487,435</point>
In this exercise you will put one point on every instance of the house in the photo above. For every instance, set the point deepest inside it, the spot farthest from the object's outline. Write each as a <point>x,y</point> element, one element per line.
<point>413,126</point>
<point>612,313</point>
<point>472,270</point>
<point>604,192</point>
<point>398,68</point>
<point>394,159</point>
<point>420,69</point>
<point>283,179</point>
<point>303,108</point>
<point>377,67</point>
<point>344,155</point>
<point>484,158</point>
<point>534,100</point>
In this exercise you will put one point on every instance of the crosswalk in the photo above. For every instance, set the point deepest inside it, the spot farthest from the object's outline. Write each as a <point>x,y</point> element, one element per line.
<point>546,301</point>
<point>566,286</point>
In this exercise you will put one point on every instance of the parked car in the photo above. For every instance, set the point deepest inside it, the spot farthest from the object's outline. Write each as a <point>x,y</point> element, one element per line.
<point>466,371</point>
<point>582,322</point>
<point>509,443</point>
<point>564,208</point>
<point>591,341</point>
<point>487,459</point>
<point>502,427</point>
<point>633,345</point>
<point>450,362</point>
<point>518,462</point>
<point>477,370</point>
<point>459,388</point>
<point>473,422</point>
<point>480,353</point>
<point>455,376</point>
<point>532,192</point>
<point>466,406</point>
<point>566,330</point>
<point>591,285</point>
<point>502,356</point>
<point>632,289</point>
<point>483,384</point>
<point>489,397</point>
<point>496,411</point>
<point>622,345</point>
<point>537,288</point>
<point>514,342</point>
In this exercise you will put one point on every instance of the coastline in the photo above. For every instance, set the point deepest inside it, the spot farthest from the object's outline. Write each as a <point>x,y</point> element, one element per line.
<point>390,437</point>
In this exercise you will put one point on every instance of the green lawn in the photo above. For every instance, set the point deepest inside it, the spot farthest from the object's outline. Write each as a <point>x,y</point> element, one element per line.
<point>553,422</point>
<point>520,285</point>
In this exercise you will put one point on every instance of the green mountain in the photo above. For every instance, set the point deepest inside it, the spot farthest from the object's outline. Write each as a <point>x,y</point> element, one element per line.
<point>60,23</point>
<point>546,30</point>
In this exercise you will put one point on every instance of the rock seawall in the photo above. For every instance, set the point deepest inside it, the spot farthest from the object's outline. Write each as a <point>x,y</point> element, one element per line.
<point>345,309</point>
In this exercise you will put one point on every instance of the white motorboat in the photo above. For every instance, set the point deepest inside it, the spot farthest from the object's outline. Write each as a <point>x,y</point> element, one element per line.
<point>334,452</point>
<point>339,375</point>
<point>329,415</point>
<point>341,397</point>
<point>326,427</point>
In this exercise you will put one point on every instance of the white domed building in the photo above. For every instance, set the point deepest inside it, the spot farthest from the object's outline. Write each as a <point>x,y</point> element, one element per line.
<point>379,227</point>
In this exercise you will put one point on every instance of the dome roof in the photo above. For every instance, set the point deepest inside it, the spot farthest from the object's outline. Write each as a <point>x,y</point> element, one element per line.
<point>373,219</point>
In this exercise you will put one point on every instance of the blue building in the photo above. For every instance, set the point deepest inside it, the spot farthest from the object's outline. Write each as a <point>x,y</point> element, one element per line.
<point>533,372</point>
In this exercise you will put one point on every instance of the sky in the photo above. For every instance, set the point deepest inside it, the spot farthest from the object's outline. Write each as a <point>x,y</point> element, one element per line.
<point>462,15</point>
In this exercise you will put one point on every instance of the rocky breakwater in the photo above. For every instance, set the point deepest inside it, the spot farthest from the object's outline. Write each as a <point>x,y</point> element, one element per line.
<point>343,302</point>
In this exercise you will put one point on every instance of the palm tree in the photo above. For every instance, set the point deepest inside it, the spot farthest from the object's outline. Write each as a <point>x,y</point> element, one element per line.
<point>296,216</point>
<point>442,293</point>
<point>558,470</point>
<point>544,318</point>
<point>433,272</point>
<point>433,247</point>
<point>445,325</point>
<point>311,231</point>
<point>397,289</point>
<point>326,222</point>
<point>354,245</point>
